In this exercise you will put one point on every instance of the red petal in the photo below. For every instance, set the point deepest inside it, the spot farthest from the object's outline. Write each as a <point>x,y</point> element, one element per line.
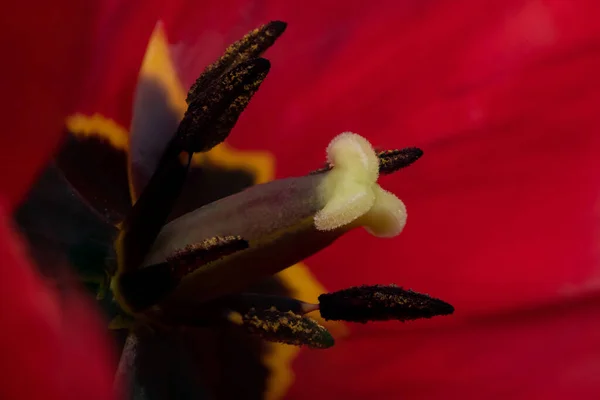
<point>40,76</point>
<point>122,31</point>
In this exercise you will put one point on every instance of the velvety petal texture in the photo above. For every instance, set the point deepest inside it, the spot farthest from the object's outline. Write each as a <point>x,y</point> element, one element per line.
<point>39,69</point>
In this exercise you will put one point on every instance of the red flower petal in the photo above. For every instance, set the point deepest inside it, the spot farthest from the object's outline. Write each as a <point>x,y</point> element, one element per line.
<point>40,76</point>
<point>121,31</point>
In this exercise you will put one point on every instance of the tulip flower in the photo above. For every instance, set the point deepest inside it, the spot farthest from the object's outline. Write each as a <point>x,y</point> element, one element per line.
<point>499,95</point>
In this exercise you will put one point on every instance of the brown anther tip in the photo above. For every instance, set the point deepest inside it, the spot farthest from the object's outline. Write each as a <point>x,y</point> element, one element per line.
<point>252,45</point>
<point>212,114</point>
<point>393,160</point>
<point>380,303</point>
<point>260,64</point>
<point>274,28</point>
<point>287,327</point>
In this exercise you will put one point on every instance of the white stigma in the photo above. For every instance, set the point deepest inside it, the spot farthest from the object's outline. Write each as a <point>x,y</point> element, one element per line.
<point>351,194</point>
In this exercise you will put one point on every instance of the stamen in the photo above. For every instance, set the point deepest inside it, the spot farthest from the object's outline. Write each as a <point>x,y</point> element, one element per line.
<point>213,113</point>
<point>208,120</point>
<point>380,303</point>
<point>151,210</point>
<point>146,286</point>
<point>287,327</point>
<point>392,160</point>
<point>188,259</point>
<point>250,46</point>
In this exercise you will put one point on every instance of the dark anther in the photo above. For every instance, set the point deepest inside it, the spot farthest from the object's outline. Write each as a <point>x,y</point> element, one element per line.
<point>207,122</point>
<point>380,303</point>
<point>213,112</point>
<point>250,46</point>
<point>287,327</point>
<point>393,160</point>
<point>150,212</point>
<point>188,259</point>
